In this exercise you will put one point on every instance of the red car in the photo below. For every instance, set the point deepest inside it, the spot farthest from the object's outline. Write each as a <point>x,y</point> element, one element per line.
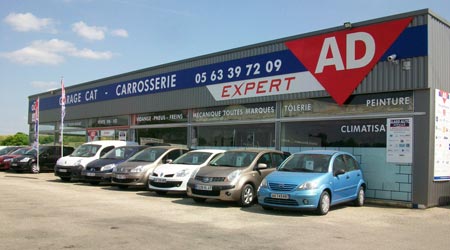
<point>5,160</point>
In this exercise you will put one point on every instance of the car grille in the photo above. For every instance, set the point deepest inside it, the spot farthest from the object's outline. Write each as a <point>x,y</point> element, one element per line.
<point>209,179</point>
<point>282,186</point>
<point>288,202</point>
<point>167,175</point>
<point>166,184</point>
<point>206,193</point>
<point>124,180</point>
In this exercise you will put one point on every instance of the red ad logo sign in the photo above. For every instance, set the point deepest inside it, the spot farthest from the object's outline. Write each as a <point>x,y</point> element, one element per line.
<point>340,60</point>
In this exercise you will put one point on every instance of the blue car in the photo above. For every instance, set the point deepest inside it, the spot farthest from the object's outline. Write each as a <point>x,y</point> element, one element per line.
<point>313,180</point>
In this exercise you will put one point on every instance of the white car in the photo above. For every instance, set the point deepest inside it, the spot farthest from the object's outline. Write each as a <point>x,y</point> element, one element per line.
<point>174,176</point>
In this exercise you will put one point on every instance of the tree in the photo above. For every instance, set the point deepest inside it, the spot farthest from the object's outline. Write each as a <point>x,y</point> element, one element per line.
<point>17,139</point>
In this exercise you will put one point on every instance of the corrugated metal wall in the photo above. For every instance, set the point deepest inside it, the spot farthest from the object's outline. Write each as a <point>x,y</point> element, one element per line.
<point>437,193</point>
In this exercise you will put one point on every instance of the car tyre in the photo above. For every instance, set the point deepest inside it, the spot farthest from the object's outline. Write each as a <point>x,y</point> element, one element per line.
<point>359,201</point>
<point>34,168</point>
<point>324,203</point>
<point>247,196</point>
<point>199,200</point>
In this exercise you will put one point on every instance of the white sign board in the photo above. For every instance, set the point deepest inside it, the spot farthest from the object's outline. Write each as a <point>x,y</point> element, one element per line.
<point>442,135</point>
<point>399,135</point>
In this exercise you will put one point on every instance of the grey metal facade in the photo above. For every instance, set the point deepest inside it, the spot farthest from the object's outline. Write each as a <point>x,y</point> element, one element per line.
<point>425,74</point>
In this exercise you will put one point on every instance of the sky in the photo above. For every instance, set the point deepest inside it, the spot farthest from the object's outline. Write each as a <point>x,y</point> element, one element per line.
<point>43,41</point>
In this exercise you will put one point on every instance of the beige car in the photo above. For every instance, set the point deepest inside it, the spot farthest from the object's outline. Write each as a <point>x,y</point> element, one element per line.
<point>235,175</point>
<point>136,170</point>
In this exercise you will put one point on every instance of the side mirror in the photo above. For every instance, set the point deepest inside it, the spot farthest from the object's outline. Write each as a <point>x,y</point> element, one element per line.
<point>339,172</point>
<point>261,166</point>
<point>168,161</point>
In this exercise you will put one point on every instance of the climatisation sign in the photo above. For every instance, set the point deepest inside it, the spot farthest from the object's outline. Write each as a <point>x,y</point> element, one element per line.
<point>336,62</point>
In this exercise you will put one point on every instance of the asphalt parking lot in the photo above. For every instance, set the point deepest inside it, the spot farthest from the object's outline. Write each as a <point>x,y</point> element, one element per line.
<point>41,212</point>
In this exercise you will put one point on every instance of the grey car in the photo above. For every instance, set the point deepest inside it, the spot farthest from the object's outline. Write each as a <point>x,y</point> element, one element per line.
<point>235,175</point>
<point>136,170</point>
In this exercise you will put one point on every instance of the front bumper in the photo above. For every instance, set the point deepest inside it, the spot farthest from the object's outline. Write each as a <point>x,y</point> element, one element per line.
<point>20,166</point>
<point>222,192</point>
<point>128,179</point>
<point>69,171</point>
<point>301,200</point>
<point>96,176</point>
<point>168,184</point>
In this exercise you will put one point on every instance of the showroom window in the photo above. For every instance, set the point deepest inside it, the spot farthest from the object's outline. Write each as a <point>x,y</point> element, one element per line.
<point>335,133</point>
<point>228,136</point>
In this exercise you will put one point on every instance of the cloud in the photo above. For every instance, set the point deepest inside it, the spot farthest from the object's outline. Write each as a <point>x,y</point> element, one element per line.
<point>53,52</point>
<point>119,33</point>
<point>25,22</point>
<point>89,32</point>
<point>44,85</point>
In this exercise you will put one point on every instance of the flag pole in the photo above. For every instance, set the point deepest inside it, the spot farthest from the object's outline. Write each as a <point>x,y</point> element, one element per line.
<point>63,113</point>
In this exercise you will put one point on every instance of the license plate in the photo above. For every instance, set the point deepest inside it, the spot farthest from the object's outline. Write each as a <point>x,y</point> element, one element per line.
<point>203,187</point>
<point>90,174</point>
<point>14,164</point>
<point>280,196</point>
<point>121,176</point>
<point>62,170</point>
<point>160,180</point>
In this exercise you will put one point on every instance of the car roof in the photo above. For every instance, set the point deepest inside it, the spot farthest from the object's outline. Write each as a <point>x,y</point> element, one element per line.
<point>322,152</point>
<point>256,150</point>
<point>208,150</point>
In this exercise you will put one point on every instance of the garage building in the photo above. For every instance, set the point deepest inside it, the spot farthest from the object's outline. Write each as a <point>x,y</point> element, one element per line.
<point>377,89</point>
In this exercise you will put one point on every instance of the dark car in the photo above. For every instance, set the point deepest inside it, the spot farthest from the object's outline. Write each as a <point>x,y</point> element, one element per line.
<point>48,155</point>
<point>101,169</point>
<point>5,160</point>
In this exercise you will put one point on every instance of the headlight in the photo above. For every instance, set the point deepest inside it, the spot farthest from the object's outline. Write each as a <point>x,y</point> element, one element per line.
<point>26,159</point>
<point>6,160</point>
<point>263,183</point>
<point>183,173</point>
<point>137,169</point>
<point>233,176</point>
<point>308,185</point>
<point>107,167</point>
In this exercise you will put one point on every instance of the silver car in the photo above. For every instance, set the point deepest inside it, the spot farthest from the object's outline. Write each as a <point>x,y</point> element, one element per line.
<point>136,170</point>
<point>235,175</point>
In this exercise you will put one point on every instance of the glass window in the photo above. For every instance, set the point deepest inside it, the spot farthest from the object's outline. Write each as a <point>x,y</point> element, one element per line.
<point>278,159</point>
<point>342,133</point>
<point>266,159</point>
<point>162,135</point>
<point>248,135</point>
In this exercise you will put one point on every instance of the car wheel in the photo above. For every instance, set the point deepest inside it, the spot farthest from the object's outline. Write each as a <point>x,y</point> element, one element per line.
<point>65,179</point>
<point>122,187</point>
<point>359,202</point>
<point>34,168</point>
<point>247,195</point>
<point>324,203</point>
<point>199,200</point>
<point>159,192</point>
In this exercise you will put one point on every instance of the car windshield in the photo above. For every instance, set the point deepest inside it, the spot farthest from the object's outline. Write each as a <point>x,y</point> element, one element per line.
<point>234,159</point>
<point>20,151</point>
<point>120,153</point>
<point>148,155</point>
<point>311,163</point>
<point>86,150</point>
<point>31,152</point>
<point>193,158</point>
